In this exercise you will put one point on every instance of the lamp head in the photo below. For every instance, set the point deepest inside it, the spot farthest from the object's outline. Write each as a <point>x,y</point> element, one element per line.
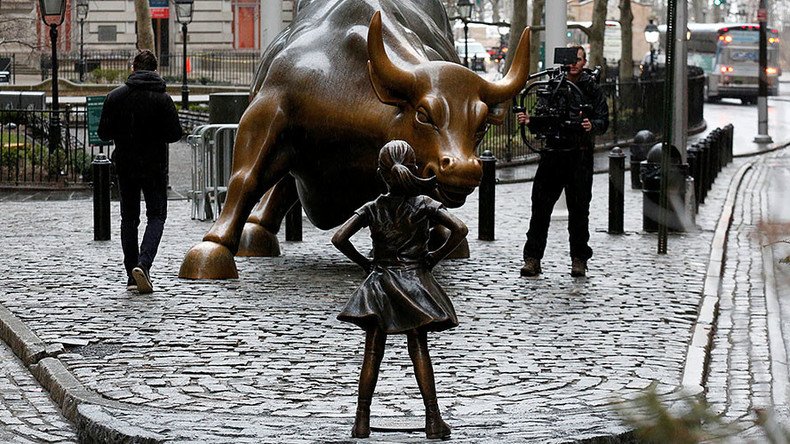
<point>651,33</point>
<point>465,9</point>
<point>184,11</point>
<point>82,9</point>
<point>52,11</point>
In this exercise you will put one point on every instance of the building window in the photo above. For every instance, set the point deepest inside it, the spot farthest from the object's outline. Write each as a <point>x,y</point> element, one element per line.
<point>108,33</point>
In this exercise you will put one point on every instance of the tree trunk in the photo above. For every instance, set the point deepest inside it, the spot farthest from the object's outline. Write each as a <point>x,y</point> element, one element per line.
<point>495,15</point>
<point>537,20</point>
<point>696,6</point>
<point>518,22</point>
<point>627,30</point>
<point>145,29</point>
<point>596,34</point>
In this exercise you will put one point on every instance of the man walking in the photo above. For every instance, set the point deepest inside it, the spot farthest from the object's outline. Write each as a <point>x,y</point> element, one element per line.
<point>142,119</point>
<point>567,163</point>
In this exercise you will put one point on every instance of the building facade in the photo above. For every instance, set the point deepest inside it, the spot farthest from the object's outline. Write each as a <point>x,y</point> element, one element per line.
<point>231,25</point>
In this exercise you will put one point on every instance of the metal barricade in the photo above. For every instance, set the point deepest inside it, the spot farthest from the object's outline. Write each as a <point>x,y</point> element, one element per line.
<point>212,158</point>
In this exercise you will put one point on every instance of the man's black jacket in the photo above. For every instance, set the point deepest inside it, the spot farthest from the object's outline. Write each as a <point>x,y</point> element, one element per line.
<point>142,119</point>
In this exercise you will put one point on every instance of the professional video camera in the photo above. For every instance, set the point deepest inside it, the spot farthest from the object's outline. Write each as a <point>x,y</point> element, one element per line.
<point>554,112</point>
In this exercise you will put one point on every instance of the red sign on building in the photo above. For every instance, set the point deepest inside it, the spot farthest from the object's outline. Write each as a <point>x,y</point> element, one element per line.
<point>160,13</point>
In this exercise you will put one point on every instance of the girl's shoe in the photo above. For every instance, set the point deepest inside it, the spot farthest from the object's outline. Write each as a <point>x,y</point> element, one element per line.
<point>435,427</point>
<point>362,421</point>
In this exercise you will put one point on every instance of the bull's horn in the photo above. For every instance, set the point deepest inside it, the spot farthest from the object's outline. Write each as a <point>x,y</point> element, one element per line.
<point>498,92</point>
<point>391,77</point>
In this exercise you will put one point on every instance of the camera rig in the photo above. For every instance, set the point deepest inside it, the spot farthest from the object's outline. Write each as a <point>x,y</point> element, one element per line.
<point>554,112</point>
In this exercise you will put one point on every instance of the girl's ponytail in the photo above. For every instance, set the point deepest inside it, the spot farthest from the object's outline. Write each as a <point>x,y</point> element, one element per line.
<point>397,163</point>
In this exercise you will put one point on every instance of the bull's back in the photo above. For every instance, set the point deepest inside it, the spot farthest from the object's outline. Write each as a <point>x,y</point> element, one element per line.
<point>329,37</point>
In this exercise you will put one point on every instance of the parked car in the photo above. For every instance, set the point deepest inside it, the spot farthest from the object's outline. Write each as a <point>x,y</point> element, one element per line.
<point>479,60</point>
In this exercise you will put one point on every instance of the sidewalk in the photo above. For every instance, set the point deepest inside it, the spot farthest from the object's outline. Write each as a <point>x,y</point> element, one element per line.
<point>262,358</point>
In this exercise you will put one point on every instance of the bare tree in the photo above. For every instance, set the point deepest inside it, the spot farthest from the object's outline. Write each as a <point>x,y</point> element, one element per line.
<point>697,8</point>
<point>627,48</point>
<point>495,14</point>
<point>518,21</point>
<point>596,34</point>
<point>145,29</point>
<point>17,32</point>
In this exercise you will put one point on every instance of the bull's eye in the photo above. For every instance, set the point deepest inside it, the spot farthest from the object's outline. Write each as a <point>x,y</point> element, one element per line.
<point>423,117</point>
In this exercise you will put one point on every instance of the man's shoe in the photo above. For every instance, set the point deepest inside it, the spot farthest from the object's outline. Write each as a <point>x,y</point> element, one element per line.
<point>131,285</point>
<point>140,274</point>
<point>578,267</point>
<point>531,267</point>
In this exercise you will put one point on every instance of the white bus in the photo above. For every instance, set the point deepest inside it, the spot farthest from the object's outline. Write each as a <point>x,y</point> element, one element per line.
<point>729,55</point>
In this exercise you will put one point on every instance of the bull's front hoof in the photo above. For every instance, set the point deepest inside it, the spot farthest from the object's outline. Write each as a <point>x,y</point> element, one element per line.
<point>208,260</point>
<point>257,241</point>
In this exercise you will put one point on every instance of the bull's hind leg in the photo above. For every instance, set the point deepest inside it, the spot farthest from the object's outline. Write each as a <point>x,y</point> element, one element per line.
<point>259,237</point>
<point>258,165</point>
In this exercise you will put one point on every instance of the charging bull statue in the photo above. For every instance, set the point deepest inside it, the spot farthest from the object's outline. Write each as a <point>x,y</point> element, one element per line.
<point>343,79</point>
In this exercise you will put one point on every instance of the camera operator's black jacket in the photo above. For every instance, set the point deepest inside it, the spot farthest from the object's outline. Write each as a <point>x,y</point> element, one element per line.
<point>598,115</point>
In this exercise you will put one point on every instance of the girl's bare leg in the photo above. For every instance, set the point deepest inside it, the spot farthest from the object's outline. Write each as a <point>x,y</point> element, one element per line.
<point>435,427</point>
<point>374,351</point>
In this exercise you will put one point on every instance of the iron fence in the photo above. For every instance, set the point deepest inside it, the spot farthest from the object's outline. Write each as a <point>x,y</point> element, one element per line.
<point>633,106</point>
<point>29,157</point>
<point>235,68</point>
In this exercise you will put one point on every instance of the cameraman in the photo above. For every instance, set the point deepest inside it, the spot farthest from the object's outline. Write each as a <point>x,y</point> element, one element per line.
<point>567,163</point>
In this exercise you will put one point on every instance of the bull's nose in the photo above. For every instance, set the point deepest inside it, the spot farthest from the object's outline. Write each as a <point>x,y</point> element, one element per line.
<point>450,163</point>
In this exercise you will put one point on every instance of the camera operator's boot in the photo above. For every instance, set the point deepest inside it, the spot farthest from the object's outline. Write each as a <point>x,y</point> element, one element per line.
<point>531,267</point>
<point>578,267</point>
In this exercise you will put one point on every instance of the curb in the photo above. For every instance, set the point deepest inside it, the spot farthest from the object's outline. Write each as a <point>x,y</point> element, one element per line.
<point>81,406</point>
<point>698,354</point>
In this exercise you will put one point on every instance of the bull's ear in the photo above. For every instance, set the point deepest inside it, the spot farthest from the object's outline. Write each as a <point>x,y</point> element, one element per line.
<point>384,94</point>
<point>496,114</point>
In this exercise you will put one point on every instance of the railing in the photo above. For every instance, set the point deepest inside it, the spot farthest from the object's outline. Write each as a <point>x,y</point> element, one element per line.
<point>210,67</point>
<point>633,106</point>
<point>192,119</point>
<point>29,156</point>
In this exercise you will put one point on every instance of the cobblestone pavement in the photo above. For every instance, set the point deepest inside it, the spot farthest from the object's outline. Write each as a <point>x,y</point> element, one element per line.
<point>262,358</point>
<point>27,414</point>
<point>748,368</point>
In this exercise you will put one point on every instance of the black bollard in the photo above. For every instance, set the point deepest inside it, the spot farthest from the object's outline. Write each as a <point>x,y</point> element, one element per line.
<point>616,190</point>
<point>487,197</point>
<point>705,168</point>
<point>694,171</point>
<point>293,223</point>
<point>101,197</point>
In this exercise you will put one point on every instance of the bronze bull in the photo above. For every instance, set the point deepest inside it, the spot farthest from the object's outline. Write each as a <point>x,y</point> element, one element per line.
<point>327,98</point>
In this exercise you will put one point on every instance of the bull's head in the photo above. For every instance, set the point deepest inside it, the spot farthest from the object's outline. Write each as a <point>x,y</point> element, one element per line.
<point>444,110</point>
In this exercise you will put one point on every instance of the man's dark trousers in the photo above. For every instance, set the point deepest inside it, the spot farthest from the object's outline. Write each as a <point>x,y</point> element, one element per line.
<point>572,171</point>
<point>153,185</point>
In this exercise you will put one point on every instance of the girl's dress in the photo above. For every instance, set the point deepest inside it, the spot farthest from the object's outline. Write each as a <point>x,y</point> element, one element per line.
<point>400,294</point>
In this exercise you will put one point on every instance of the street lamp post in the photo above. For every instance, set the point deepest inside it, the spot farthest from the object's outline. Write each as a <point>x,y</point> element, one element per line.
<point>184,16</point>
<point>762,92</point>
<point>52,13</point>
<point>651,36</point>
<point>82,14</point>
<point>465,12</point>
